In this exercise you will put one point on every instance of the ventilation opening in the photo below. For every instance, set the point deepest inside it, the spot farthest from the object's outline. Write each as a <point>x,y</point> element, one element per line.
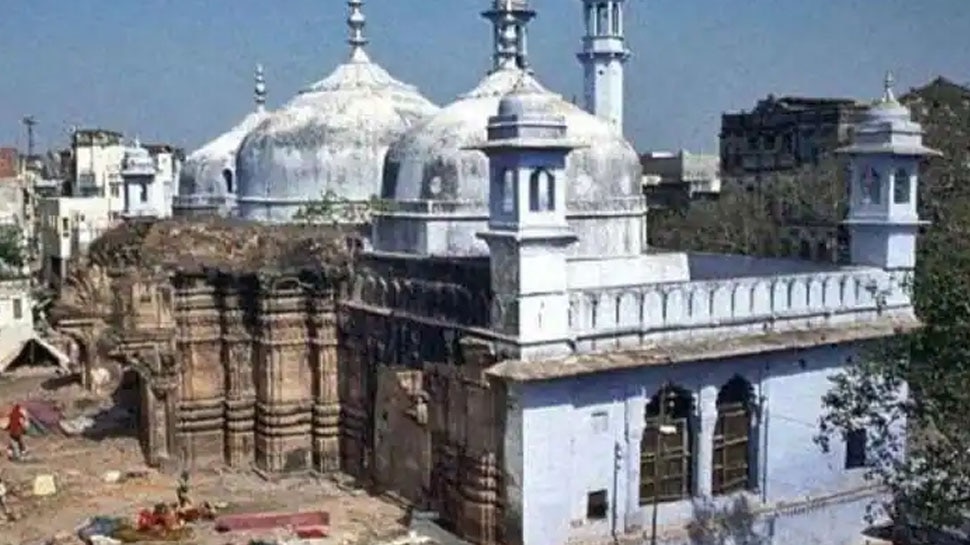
<point>227,176</point>
<point>596,505</point>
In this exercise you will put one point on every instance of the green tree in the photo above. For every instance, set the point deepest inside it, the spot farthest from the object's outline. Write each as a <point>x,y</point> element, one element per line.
<point>333,209</point>
<point>919,444</point>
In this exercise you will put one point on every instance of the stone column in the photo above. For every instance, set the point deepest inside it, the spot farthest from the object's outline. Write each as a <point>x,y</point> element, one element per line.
<point>636,422</point>
<point>705,404</point>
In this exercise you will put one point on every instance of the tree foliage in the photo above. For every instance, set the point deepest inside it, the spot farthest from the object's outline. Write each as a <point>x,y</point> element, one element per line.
<point>930,484</point>
<point>734,523</point>
<point>11,247</point>
<point>752,222</point>
<point>333,209</point>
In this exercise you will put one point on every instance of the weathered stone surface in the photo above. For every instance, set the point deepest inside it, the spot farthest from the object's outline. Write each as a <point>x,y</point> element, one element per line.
<point>251,356</point>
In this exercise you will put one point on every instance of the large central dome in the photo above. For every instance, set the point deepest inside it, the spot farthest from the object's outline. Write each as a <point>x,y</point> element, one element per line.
<point>330,140</point>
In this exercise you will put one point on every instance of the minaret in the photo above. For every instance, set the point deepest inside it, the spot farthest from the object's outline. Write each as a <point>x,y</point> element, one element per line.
<point>603,55</point>
<point>884,161</point>
<point>260,90</point>
<point>509,19</point>
<point>356,22</point>
<point>528,235</point>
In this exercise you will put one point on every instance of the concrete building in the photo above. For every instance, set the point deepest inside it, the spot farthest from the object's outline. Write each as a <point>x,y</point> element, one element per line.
<point>67,226</point>
<point>674,179</point>
<point>505,350</point>
<point>96,170</point>
<point>144,191</point>
<point>783,134</point>
<point>20,342</point>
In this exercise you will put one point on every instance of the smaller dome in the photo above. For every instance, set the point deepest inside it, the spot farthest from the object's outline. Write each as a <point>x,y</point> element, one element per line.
<point>527,98</point>
<point>208,175</point>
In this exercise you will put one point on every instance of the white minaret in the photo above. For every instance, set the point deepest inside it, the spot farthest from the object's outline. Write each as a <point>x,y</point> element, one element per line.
<point>603,55</point>
<point>259,92</point>
<point>528,235</point>
<point>884,160</point>
<point>510,19</point>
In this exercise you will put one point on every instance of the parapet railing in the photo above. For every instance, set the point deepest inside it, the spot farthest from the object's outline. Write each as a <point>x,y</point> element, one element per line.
<point>735,301</point>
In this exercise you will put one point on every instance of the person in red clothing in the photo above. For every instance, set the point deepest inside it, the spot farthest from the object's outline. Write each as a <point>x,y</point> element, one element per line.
<point>17,427</point>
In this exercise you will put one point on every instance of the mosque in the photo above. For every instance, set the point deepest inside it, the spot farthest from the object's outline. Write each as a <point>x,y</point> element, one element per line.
<point>506,350</point>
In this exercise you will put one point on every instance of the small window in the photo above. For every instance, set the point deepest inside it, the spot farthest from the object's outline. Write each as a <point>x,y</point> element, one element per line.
<point>597,505</point>
<point>65,224</point>
<point>115,191</point>
<point>18,309</point>
<point>855,449</point>
<point>871,186</point>
<point>600,421</point>
<point>616,20</point>
<point>541,191</point>
<point>227,176</point>
<point>144,192</point>
<point>901,187</point>
<point>508,191</point>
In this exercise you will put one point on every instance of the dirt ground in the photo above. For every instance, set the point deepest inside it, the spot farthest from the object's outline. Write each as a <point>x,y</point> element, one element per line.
<point>78,465</point>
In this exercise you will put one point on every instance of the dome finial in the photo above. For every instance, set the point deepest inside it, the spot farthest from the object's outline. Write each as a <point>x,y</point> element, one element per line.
<point>888,82</point>
<point>260,89</point>
<point>356,21</point>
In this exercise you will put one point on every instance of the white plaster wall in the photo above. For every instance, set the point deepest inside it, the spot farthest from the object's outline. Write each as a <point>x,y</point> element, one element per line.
<point>568,446</point>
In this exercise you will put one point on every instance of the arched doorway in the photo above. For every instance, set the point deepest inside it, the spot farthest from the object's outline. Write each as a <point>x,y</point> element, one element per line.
<point>733,463</point>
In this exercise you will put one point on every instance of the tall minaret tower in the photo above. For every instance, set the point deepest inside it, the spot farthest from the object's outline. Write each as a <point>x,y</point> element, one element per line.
<point>510,19</point>
<point>884,161</point>
<point>259,92</point>
<point>603,55</point>
<point>528,235</point>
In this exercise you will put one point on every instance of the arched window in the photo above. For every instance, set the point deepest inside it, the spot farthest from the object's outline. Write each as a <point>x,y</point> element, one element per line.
<point>732,465</point>
<point>508,191</point>
<point>542,189</point>
<point>227,177</point>
<point>666,453</point>
<point>590,24</point>
<point>901,187</point>
<point>871,186</point>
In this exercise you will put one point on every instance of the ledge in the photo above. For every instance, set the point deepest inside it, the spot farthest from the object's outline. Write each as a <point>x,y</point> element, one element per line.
<point>698,350</point>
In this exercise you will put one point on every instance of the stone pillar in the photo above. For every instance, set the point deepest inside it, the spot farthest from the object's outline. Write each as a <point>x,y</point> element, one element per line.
<point>240,399</point>
<point>479,489</point>
<point>636,422</point>
<point>284,402</point>
<point>706,410</point>
<point>326,405</point>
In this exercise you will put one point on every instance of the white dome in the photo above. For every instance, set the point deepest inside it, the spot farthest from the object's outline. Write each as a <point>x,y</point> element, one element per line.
<point>432,162</point>
<point>209,170</point>
<point>331,138</point>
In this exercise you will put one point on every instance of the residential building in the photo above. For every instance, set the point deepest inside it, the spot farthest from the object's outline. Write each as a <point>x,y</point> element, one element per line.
<point>96,171</point>
<point>783,134</point>
<point>67,225</point>
<point>673,179</point>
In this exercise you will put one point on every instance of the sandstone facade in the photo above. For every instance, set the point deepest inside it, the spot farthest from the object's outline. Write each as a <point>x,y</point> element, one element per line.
<point>279,349</point>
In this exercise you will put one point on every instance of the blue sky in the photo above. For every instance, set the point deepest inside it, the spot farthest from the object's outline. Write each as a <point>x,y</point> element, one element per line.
<point>180,71</point>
